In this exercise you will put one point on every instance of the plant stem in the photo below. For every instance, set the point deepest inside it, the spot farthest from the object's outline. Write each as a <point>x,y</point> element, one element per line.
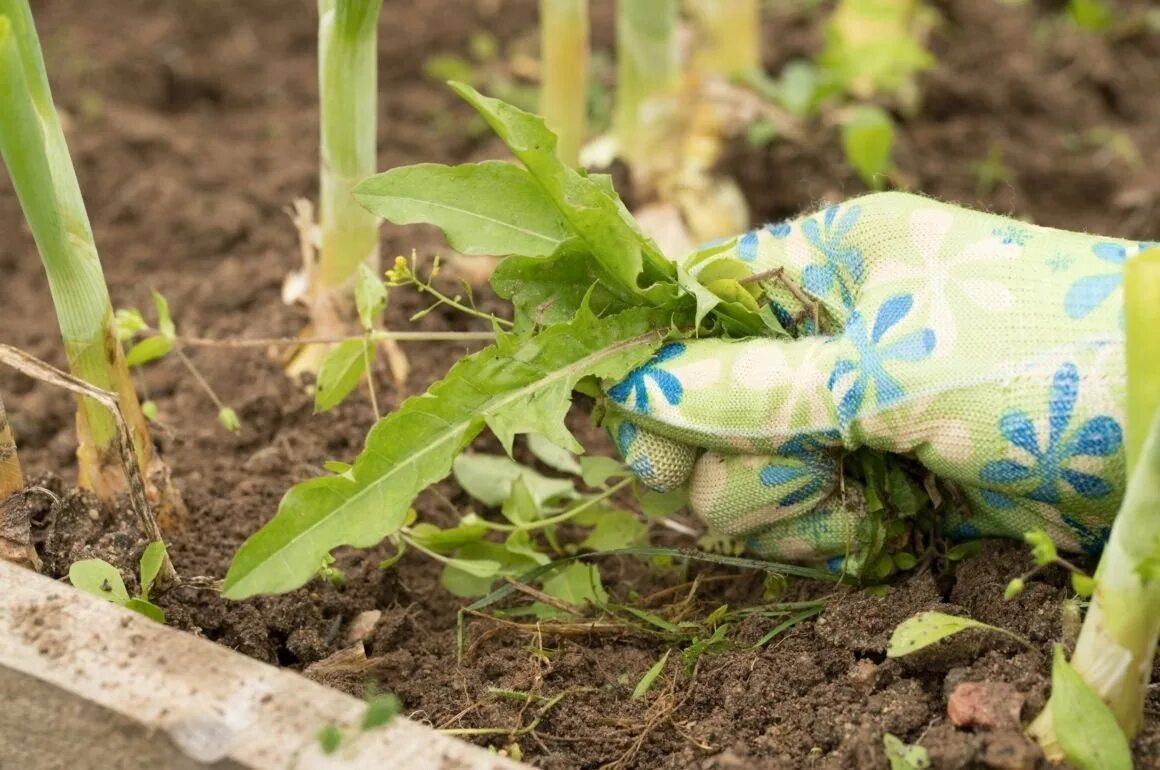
<point>729,43</point>
<point>378,336</point>
<point>1142,319</point>
<point>1117,642</point>
<point>11,476</point>
<point>560,518</point>
<point>348,85</point>
<point>34,149</point>
<point>564,80</point>
<point>648,86</point>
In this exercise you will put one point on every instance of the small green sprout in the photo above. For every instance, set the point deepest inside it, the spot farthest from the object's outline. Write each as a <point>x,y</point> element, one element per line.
<point>646,682</point>
<point>904,756</point>
<point>101,579</point>
<point>1045,553</point>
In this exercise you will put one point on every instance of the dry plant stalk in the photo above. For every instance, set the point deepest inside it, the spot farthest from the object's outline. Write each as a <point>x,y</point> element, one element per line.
<point>15,525</point>
<point>137,499</point>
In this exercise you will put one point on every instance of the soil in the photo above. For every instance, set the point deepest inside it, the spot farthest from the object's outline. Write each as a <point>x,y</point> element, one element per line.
<point>193,126</point>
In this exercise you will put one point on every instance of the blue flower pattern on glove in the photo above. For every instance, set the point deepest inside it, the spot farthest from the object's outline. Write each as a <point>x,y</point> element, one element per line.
<point>842,266</point>
<point>816,467</point>
<point>747,244</point>
<point>1100,436</point>
<point>625,436</point>
<point>636,383</point>
<point>874,352</point>
<point>1089,292</point>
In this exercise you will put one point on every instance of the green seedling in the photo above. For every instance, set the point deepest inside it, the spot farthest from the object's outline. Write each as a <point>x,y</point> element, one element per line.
<point>381,710</point>
<point>875,48</point>
<point>152,343</point>
<point>646,682</point>
<point>101,579</point>
<point>1117,642</point>
<point>990,172</point>
<point>1044,553</point>
<point>32,144</point>
<point>904,756</point>
<point>1092,15</point>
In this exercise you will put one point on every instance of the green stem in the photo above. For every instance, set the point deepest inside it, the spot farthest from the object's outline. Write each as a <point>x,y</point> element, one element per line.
<point>1142,320</point>
<point>347,85</point>
<point>560,518</point>
<point>729,41</point>
<point>33,146</point>
<point>1117,642</point>
<point>564,82</point>
<point>648,86</point>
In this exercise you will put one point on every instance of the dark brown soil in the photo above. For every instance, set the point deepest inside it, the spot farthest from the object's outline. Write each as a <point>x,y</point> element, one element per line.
<point>193,125</point>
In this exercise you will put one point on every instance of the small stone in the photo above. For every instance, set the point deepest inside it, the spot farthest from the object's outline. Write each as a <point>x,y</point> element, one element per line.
<point>985,705</point>
<point>864,672</point>
<point>362,626</point>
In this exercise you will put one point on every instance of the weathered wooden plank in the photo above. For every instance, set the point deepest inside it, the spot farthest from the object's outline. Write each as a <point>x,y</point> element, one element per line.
<point>84,683</point>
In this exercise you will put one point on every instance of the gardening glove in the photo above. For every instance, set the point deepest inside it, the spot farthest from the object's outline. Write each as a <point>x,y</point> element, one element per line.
<point>989,350</point>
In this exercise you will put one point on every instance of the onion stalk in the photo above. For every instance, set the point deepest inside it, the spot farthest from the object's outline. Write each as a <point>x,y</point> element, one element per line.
<point>348,119</point>
<point>1117,643</point>
<point>729,33</point>
<point>564,79</point>
<point>647,120</point>
<point>36,154</point>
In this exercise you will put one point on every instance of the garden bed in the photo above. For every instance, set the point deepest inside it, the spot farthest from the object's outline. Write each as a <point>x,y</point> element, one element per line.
<point>194,124</point>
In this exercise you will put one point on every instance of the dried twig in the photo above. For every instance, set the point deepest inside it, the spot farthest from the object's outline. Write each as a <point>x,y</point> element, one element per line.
<point>138,501</point>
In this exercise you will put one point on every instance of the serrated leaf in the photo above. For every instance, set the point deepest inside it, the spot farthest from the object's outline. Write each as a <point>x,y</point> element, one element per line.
<point>469,530</point>
<point>658,504</point>
<point>614,529</point>
<point>550,290</point>
<point>489,208</point>
<point>926,628</point>
<point>553,455</point>
<point>520,507</point>
<point>415,446</point>
<point>489,479</point>
<point>99,578</point>
<point>1086,728</point>
<point>577,584</point>
<point>339,374</point>
<point>588,204</point>
<point>868,141</point>
<point>520,543</point>
<point>596,471</point>
<point>646,682</point>
<point>151,560</point>
<point>148,349</point>
<point>463,579</point>
<point>370,295</point>
<point>146,608</point>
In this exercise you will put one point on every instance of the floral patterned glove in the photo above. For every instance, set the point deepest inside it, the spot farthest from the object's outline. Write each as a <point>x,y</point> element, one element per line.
<point>990,350</point>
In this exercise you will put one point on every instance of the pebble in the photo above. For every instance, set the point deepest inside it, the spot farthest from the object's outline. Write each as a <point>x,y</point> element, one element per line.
<point>985,705</point>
